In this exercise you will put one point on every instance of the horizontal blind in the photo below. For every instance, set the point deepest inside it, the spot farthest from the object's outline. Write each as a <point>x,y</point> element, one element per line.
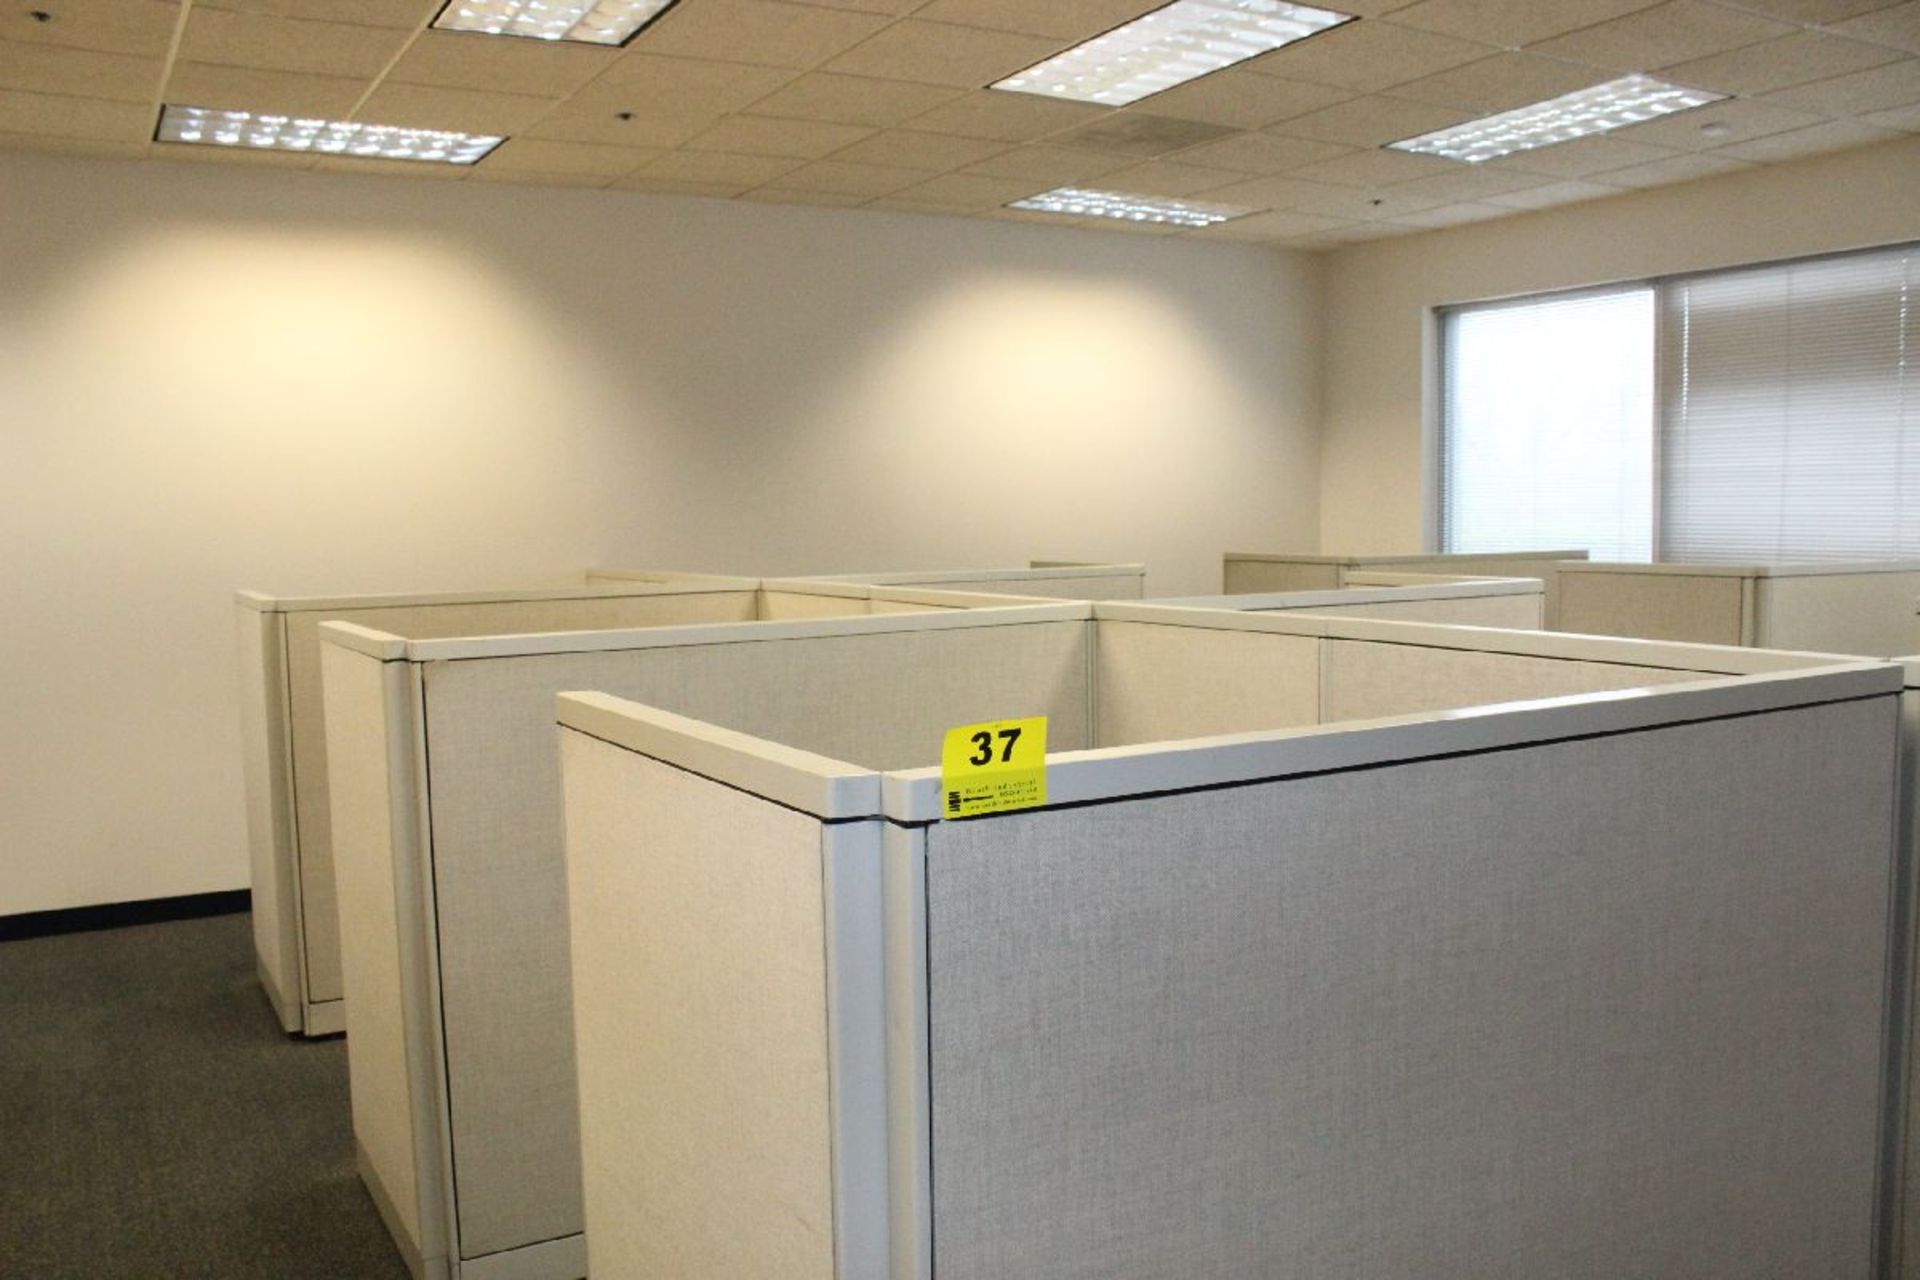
<point>1791,407</point>
<point>1547,424</point>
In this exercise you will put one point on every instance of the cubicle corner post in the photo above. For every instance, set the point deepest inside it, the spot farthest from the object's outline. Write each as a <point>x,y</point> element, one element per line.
<point>909,1102</point>
<point>271,833</point>
<point>374,705</point>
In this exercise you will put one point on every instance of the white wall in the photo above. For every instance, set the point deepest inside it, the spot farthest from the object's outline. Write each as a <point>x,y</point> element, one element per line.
<point>213,378</point>
<point>1380,294</point>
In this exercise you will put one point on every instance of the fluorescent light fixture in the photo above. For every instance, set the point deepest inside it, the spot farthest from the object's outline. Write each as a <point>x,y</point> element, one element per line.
<point>1172,45</point>
<point>1078,202</point>
<point>587,21</point>
<point>253,131</point>
<point>1595,109</point>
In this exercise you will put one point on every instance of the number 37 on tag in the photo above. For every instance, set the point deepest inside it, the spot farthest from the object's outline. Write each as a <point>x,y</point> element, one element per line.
<point>994,767</point>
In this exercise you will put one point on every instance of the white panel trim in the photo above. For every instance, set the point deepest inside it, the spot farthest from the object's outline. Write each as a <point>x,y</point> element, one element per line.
<point>850,856</point>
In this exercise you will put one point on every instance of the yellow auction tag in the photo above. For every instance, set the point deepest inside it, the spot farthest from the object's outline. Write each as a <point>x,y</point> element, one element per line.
<point>994,767</point>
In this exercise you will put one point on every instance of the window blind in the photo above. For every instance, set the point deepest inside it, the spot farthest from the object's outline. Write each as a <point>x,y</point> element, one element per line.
<point>1548,424</point>
<point>1791,406</point>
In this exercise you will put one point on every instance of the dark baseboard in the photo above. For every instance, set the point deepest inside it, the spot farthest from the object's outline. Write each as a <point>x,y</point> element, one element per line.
<point>117,915</point>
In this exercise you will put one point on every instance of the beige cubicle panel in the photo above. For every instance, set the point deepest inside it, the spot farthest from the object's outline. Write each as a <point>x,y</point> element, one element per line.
<point>295,920</point>
<point>1867,607</point>
<point>1258,571</point>
<point>1054,579</point>
<point>1326,957</point>
<point>1403,597</point>
<point>450,858</point>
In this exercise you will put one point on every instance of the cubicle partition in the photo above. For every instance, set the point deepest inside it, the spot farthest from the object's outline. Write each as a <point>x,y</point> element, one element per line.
<point>295,919</point>
<point>1324,957</point>
<point>1867,607</point>
<point>449,856</point>
<point>1403,597</point>
<point>1057,579</point>
<point>1253,571</point>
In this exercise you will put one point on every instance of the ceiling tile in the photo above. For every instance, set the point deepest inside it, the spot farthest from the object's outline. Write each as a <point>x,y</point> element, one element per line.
<point>1374,168</point>
<point>1833,135</point>
<point>536,177</point>
<point>1779,64</point>
<point>1368,55</point>
<point>1469,182</point>
<point>1680,168</point>
<point>968,191</point>
<point>931,152</point>
<point>1512,23</point>
<point>1274,193</point>
<point>1074,20</point>
<point>892,8</point>
<point>421,106</point>
<point>206,84</point>
<point>1581,157</point>
<point>366,13</point>
<point>538,155</point>
<point>761,136</point>
<point>641,182</point>
<point>1170,178</point>
<point>1005,117</point>
<point>44,68</point>
<point>1243,100</point>
<point>1138,134</point>
<point>143,28</point>
<point>1372,122</point>
<point>1454,215</point>
<point>641,82</point>
<point>941,53</point>
<point>288,44</point>
<point>822,199</point>
<point>1501,83</point>
<point>1717,124</point>
<point>1895,85</point>
<point>591,117</point>
<point>1377,205</point>
<point>1816,12</point>
<point>867,181</point>
<point>393,168</point>
<point>762,31</point>
<point>1905,118</point>
<point>1054,166</point>
<point>715,168</point>
<point>1898,27</point>
<point>1554,193</point>
<point>1261,153</point>
<point>73,146</point>
<point>1658,37</point>
<point>1269,226</point>
<point>60,116</point>
<point>500,64</point>
<point>852,100</point>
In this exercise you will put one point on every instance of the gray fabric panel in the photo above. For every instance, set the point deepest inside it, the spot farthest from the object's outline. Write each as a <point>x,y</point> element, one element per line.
<point>1363,680</point>
<point>1158,683</point>
<point>428,622</point>
<point>1252,577</point>
<point>1863,613</point>
<point>1599,1009</point>
<point>1652,606</point>
<point>699,967</point>
<point>883,701</point>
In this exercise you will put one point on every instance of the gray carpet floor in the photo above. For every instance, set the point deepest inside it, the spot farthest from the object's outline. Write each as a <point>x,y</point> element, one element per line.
<point>156,1123</point>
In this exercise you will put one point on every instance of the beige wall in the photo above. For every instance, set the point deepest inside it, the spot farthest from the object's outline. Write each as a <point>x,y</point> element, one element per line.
<point>213,378</point>
<point>1378,296</point>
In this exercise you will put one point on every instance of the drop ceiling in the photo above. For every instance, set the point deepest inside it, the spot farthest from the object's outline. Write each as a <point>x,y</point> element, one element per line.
<point>881,103</point>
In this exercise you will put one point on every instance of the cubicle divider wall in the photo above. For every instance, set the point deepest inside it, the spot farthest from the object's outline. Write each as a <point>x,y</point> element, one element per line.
<point>1867,607</point>
<point>295,920</point>
<point>1058,579</point>
<point>1304,968</point>
<point>449,855</point>
<point>1252,571</point>
<point>1438,598</point>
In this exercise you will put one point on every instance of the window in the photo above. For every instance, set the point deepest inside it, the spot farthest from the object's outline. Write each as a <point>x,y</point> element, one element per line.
<point>1548,412</point>
<point>1779,417</point>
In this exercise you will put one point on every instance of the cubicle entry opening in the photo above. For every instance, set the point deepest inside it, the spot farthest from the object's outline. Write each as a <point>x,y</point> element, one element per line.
<point>1410,950</point>
<point>1866,607</point>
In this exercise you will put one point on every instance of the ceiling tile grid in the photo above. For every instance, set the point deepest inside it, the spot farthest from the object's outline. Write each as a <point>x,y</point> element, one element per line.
<point>885,104</point>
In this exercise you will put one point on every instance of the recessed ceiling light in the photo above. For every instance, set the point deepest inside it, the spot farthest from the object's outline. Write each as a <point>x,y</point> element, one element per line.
<point>1172,45</point>
<point>1595,109</point>
<point>257,131</point>
<point>1078,202</point>
<point>587,21</point>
